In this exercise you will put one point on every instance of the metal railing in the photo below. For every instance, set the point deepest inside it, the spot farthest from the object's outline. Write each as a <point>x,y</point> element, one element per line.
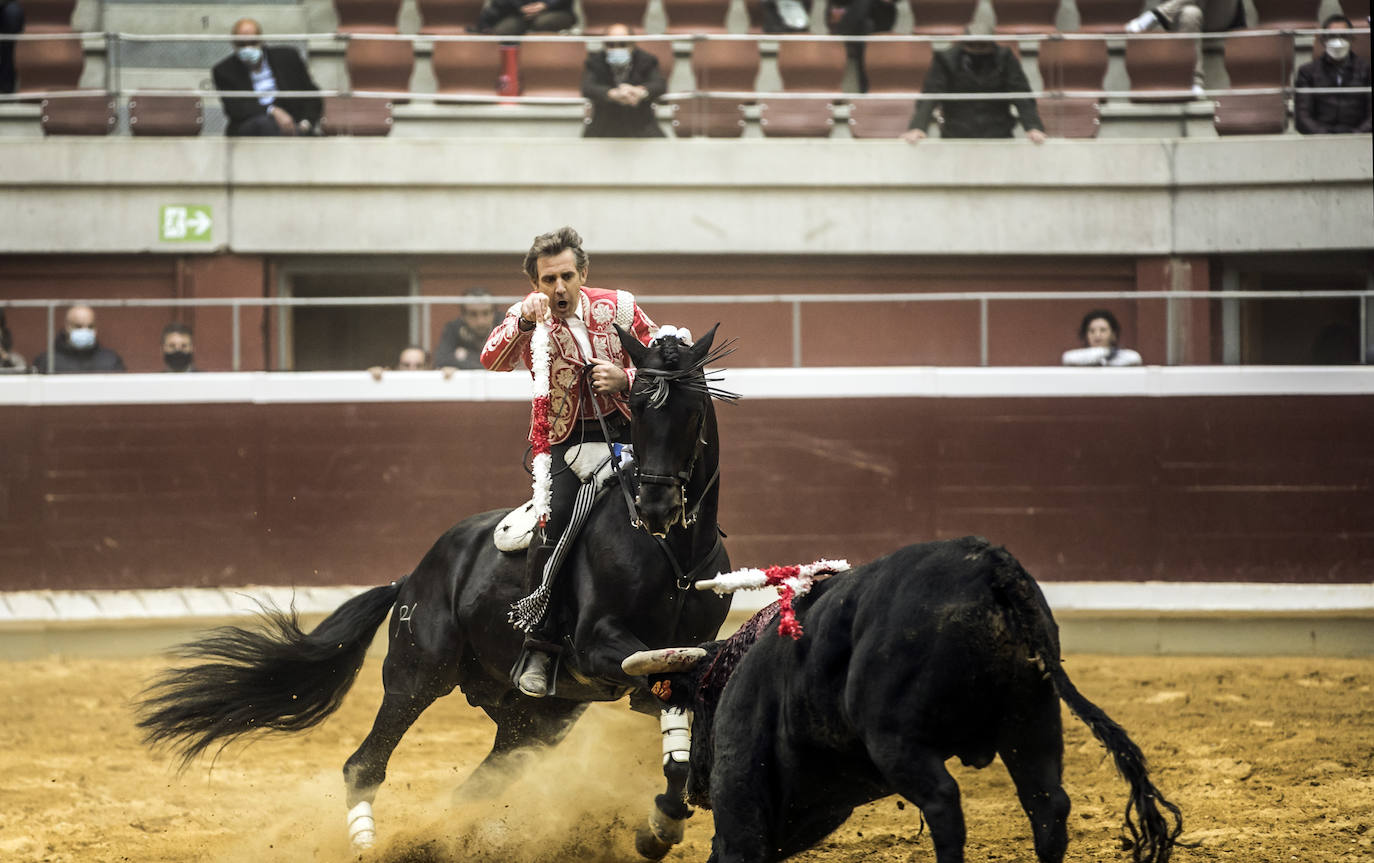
<point>795,303</point>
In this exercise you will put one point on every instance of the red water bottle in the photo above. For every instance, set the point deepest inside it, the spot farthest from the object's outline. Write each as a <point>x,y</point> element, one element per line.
<point>508,82</point>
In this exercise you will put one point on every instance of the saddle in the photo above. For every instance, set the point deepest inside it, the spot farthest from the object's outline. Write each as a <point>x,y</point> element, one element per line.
<point>591,462</point>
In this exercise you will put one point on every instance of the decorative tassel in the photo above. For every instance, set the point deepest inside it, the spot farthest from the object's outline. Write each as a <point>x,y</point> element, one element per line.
<point>792,582</point>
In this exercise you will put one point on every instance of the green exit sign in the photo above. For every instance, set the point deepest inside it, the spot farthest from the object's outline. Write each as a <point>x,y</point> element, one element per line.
<point>184,222</point>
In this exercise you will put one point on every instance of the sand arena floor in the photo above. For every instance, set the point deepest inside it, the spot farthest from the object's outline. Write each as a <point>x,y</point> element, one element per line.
<point>1270,760</point>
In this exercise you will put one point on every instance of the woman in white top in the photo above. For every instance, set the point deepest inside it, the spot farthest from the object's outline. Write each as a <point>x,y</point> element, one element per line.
<point>1100,331</point>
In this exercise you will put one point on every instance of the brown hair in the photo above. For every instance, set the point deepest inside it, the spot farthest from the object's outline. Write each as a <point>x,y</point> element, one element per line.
<point>553,243</point>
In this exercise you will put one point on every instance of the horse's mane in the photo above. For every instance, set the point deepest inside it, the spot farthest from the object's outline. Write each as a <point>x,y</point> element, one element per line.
<point>692,377</point>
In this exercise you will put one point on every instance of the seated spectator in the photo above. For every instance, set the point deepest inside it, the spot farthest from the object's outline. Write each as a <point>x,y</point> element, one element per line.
<point>11,24</point>
<point>412,358</point>
<point>178,349</point>
<point>860,18</point>
<point>980,66</point>
<point>517,17</point>
<point>786,16</point>
<point>1100,332</point>
<point>77,349</point>
<point>1326,113</point>
<point>10,361</point>
<point>264,68</point>
<point>460,344</point>
<point>622,83</point>
<point>1191,16</point>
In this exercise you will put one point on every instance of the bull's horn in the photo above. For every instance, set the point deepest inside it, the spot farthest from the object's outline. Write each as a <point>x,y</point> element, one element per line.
<point>665,660</point>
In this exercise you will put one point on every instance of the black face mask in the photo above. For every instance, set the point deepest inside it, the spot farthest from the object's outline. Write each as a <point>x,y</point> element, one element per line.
<point>177,361</point>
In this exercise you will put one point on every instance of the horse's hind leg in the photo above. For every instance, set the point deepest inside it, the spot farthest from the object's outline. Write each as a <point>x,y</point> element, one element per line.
<point>519,726</point>
<point>1032,748</point>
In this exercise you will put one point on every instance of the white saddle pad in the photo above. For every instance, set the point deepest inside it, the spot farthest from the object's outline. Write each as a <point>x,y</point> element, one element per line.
<point>517,529</point>
<point>590,461</point>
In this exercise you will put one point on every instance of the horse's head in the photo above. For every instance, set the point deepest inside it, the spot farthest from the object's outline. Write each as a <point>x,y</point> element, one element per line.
<point>673,423</point>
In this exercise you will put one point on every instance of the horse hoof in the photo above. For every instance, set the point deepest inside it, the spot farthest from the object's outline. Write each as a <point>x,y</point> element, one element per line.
<point>649,846</point>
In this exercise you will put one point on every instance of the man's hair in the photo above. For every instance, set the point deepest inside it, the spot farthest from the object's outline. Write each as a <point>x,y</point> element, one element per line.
<point>177,328</point>
<point>1331,19</point>
<point>1095,314</point>
<point>234,30</point>
<point>553,243</point>
<point>413,348</point>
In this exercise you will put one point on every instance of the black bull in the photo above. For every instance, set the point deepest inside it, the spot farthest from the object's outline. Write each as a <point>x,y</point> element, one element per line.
<point>946,649</point>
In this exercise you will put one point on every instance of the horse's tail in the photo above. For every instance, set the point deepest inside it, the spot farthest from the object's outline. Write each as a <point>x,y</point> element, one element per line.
<point>1153,822</point>
<point>273,676</point>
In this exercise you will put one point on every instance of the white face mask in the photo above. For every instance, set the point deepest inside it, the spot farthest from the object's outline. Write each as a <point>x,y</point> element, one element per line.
<point>1338,48</point>
<point>82,338</point>
<point>618,56</point>
<point>250,54</point>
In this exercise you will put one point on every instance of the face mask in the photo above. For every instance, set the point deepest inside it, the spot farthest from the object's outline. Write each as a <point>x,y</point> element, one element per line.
<point>177,361</point>
<point>250,54</point>
<point>82,338</point>
<point>618,56</point>
<point>1339,49</point>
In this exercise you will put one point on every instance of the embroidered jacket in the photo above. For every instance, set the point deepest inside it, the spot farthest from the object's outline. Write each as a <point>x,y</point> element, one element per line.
<point>508,348</point>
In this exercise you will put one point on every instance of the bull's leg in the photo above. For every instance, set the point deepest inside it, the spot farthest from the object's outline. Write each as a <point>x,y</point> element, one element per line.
<point>670,810</point>
<point>519,726</point>
<point>1033,751</point>
<point>920,776</point>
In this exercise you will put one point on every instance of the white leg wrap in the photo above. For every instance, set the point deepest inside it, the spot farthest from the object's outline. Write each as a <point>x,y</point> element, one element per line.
<point>668,830</point>
<point>676,726</point>
<point>362,829</point>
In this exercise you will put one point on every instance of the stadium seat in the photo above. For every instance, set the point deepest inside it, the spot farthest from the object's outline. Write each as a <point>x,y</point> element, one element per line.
<point>880,118</point>
<point>796,118</point>
<point>1106,16</point>
<point>811,66</point>
<point>1067,117</point>
<point>664,52</point>
<point>345,115</point>
<point>379,64</point>
<point>705,116</point>
<point>725,64</point>
<point>552,67</point>
<point>1259,62</point>
<point>86,114</point>
<point>166,115</point>
<point>597,15</point>
<point>1358,13</point>
<point>1286,14</point>
<point>48,16</point>
<point>1071,66</point>
<point>695,16</point>
<point>941,17</point>
<point>897,67</point>
<point>1157,65</point>
<point>48,64</point>
<point>367,16</point>
<point>466,67</point>
<point>1025,16</point>
<point>447,16</point>
<point>753,10</point>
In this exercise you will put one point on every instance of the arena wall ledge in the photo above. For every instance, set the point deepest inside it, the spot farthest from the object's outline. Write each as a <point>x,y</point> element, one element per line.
<point>455,196</point>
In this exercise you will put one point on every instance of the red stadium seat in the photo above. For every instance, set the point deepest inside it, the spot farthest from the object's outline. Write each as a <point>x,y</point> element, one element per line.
<point>597,15</point>
<point>897,67</point>
<point>447,16</point>
<point>810,66</point>
<point>85,114</point>
<point>466,67</point>
<point>1068,66</point>
<point>1156,65</point>
<point>941,17</point>
<point>48,64</point>
<point>165,115</point>
<point>1106,16</point>
<point>367,16</point>
<point>379,64</point>
<point>552,67</point>
<point>1025,16</point>
<point>796,118</point>
<point>355,115</point>
<point>725,64</point>
<point>1258,62</point>
<point>704,116</point>
<point>696,16</point>
<point>880,118</point>
<point>663,51</point>
<point>1286,14</point>
<point>48,16</point>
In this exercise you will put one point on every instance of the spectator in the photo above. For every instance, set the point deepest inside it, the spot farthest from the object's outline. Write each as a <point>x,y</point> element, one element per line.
<point>264,68</point>
<point>976,66</point>
<point>10,362</point>
<point>516,17</point>
<point>860,18</point>
<point>11,24</point>
<point>1100,332</point>
<point>77,349</point>
<point>1191,16</point>
<point>1330,114</point>
<point>178,349</point>
<point>412,358</point>
<point>622,83</point>
<point>460,344</point>
<point>786,16</point>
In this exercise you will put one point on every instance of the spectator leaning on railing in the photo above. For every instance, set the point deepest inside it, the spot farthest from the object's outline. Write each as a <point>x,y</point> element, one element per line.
<point>1339,66</point>
<point>622,83</point>
<point>264,68</point>
<point>11,23</point>
<point>77,349</point>
<point>178,349</point>
<point>980,66</point>
<point>1099,333</point>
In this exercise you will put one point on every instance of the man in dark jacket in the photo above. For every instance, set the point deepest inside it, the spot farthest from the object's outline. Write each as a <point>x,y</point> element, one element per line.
<point>980,66</point>
<point>254,66</point>
<point>622,83</point>
<point>1339,66</point>
<point>77,350</point>
<point>516,17</point>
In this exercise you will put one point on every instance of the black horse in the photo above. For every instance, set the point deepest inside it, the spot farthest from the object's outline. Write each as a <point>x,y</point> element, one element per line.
<point>625,586</point>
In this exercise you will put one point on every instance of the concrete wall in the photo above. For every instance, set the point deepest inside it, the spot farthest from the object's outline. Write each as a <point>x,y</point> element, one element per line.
<point>708,197</point>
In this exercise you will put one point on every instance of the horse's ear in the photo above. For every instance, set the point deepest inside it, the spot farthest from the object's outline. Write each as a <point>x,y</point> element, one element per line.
<point>636,351</point>
<point>702,346</point>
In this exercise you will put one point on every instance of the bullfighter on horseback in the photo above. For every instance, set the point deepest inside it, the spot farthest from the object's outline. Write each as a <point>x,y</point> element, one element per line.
<point>587,376</point>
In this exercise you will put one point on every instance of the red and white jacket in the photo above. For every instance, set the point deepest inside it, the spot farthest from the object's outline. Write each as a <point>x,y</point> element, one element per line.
<point>508,348</point>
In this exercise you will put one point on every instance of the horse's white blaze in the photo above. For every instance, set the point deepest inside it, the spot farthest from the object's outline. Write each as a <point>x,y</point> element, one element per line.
<point>662,661</point>
<point>676,726</point>
<point>362,827</point>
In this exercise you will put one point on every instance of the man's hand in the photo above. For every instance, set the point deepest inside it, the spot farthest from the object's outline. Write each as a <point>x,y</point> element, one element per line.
<point>913,136</point>
<point>535,307</point>
<point>607,377</point>
<point>1036,136</point>
<point>529,10</point>
<point>283,120</point>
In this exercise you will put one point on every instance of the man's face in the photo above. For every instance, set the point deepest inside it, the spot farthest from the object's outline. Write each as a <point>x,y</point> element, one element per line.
<point>479,317</point>
<point>411,360</point>
<point>1335,25</point>
<point>559,280</point>
<point>176,343</point>
<point>80,317</point>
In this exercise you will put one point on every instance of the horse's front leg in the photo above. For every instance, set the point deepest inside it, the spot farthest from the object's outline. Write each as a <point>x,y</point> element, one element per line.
<point>670,813</point>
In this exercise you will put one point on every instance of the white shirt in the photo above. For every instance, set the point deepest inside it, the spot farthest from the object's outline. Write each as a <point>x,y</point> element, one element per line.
<point>264,81</point>
<point>579,333</point>
<point>1101,357</point>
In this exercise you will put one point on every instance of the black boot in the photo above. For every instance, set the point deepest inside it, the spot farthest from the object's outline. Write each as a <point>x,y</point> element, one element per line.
<point>533,673</point>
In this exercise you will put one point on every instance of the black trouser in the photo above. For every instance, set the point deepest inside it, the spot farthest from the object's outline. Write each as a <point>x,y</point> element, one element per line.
<point>11,23</point>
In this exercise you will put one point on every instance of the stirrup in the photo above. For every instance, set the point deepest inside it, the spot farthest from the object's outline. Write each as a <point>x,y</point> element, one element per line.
<point>536,670</point>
